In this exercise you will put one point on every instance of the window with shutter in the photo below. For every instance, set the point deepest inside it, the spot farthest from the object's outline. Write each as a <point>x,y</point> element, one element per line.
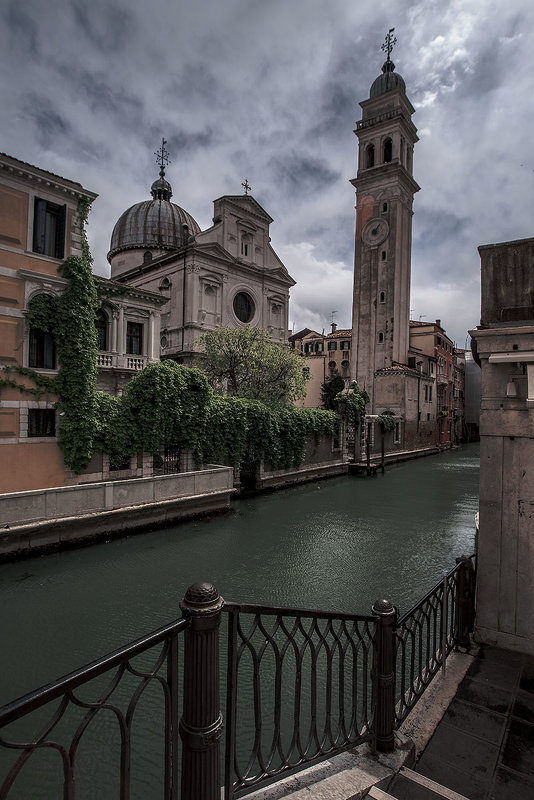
<point>49,221</point>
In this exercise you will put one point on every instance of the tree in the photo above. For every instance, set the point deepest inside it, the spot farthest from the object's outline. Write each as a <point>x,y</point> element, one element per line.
<point>244,362</point>
<point>332,386</point>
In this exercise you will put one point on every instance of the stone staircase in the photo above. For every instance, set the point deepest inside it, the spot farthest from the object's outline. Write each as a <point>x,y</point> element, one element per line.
<point>410,785</point>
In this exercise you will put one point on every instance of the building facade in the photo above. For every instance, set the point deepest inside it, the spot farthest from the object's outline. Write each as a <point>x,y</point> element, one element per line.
<point>39,228</point>
<point>325,355</point>
<point>504,347</point>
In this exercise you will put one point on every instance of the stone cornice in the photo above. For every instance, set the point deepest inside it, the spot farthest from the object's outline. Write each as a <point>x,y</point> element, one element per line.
<point>20,170</point>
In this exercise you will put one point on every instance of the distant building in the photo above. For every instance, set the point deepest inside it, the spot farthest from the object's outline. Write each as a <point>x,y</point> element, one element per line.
<point>38,230</point>
<point>325,355</point>
<point>504,345</point>
<point>472,397</point>
<point>228,275</point>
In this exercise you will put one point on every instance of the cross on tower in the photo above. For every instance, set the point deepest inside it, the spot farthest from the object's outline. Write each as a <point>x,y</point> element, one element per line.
<point>246,186</point>
<point>162,157</point>
<point>389,43</point>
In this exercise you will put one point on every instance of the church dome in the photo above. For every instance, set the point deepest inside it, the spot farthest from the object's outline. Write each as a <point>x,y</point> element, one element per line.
<point>157,223</point>
<point>387,81</point>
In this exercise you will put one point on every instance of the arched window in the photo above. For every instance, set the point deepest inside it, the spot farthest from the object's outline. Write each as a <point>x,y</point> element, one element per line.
<point>388,151</point>
<point>380,337</point>
<point>370,155</point>
<point>101,325</point>
<point>164,284</point>
<point>332,365</point>
<point>382,297</point>
<point>383,255</point>
<point>147,257</point>
<point>384,207</point>
<point>42,349</point>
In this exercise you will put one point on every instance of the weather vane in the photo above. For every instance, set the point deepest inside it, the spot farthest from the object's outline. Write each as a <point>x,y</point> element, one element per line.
<point>389,43</point>
<point>246,186</point>
<point>162,157</point>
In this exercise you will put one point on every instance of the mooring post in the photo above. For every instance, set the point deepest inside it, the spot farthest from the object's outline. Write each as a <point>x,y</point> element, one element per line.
<point>384,674</point>
<point>201,724</point>
<point>465,610</point>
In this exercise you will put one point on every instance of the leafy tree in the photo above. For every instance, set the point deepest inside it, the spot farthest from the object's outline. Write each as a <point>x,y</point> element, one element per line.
<point>352,402</point>
<point>332,386</point>
<point>244,362</point>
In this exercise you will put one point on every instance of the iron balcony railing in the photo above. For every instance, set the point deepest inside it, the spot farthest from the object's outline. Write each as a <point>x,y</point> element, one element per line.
<point>301,686</point>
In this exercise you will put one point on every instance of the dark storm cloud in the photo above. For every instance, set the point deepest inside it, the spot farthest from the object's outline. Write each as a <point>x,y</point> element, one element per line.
<point>47,120</point>
<point>107,26</point>
<point>436,226</point>
<point>23,30</point>
<point>294,172</point>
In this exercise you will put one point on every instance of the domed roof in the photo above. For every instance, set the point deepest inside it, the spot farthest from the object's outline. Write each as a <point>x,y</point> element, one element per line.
<point>155,223</point>
<point>387,81</point>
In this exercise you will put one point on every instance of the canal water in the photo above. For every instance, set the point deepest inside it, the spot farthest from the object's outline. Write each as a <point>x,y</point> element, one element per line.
<point>337,544</point>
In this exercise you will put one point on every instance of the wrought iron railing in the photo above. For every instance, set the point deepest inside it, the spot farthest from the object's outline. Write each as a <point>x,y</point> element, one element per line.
<point>57,719</point>
<point>301,686</point>
<point>299,690</point>
<point>427,633</point>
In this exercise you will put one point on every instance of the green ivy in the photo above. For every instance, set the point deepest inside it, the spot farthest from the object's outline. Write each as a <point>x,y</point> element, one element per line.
<point>387,421</point>
<point>351,403</point>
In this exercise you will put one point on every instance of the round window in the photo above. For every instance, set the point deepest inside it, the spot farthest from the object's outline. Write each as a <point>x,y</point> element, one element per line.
<point>243,307</point>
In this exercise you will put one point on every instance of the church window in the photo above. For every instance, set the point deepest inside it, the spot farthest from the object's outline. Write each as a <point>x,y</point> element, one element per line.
<point>384,207</point>
<point>332,345</point>
<point>101,325</point>
<point>383,255</point>
<point>41,422</point>
<point>388,151</point>
<point>134,338</point>
<point>147,257</point>
<point>164,285</point>
<point>380,337</point>
<point>370,155</point>
<point>243,307</point>
<point>382,297</point>
<point>49,228</point>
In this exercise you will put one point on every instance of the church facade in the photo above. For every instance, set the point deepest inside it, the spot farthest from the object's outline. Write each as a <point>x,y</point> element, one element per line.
<point>228,275</point>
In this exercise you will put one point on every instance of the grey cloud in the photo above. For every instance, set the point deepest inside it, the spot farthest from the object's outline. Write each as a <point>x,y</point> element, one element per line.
<point>107,26</point>
<point>23,29</point>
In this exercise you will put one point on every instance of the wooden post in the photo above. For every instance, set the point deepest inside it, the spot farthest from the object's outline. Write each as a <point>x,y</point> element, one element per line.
<point>201,724</point>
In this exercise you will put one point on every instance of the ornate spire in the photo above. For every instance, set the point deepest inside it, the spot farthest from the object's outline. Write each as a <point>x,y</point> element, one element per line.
<point>387,46</point>
<point>161,189</point>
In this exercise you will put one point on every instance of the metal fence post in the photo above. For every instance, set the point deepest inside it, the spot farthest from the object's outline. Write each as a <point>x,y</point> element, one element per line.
<point>384,675</point>
<point>201,724</point>
<point>465,610</point>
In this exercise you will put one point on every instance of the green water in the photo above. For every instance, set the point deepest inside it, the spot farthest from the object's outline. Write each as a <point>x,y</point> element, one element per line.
<point>335,545</point>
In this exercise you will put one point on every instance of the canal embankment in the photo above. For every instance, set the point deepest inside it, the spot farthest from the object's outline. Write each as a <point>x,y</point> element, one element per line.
<point>31,522</point>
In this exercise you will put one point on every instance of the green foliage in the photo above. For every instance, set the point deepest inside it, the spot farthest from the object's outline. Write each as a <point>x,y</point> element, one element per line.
<point>44,384</point>
<point>42,313</point>
<point>244,362</point>
<point>246,432</point>
<point>387,421</point>
<point>330,389</point>
<point>351,403</point>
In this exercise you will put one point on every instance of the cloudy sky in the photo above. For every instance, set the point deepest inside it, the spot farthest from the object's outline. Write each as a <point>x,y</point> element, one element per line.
<point>269,90</point>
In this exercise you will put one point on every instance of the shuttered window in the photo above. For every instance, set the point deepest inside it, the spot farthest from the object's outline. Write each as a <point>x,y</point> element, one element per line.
<point>49,228</point>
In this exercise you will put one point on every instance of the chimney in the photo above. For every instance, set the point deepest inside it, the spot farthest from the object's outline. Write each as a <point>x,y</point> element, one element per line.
<point>334,327</point>
<point>438,322</point>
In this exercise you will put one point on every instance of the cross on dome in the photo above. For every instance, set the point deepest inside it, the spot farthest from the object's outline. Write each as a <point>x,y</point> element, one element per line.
<point>162,157</point>
<point>389,43</point>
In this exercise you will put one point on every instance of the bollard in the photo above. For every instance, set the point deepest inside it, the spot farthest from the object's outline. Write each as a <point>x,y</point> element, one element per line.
<point>384,675</point>
<point>201,724</point>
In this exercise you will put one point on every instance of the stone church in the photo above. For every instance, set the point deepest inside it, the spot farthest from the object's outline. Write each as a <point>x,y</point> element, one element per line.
<point>228,275</point>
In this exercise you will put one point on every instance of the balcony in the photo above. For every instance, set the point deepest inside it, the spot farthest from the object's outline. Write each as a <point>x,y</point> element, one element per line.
<point>442,378</point>
<point>115,361</point>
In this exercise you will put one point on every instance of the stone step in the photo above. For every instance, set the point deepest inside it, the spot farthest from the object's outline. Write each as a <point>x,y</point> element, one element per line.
<point>402,788</point>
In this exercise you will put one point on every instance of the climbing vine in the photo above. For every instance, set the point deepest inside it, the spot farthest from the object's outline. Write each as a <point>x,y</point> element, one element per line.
<point>387,421</point>
<point>351,403</point>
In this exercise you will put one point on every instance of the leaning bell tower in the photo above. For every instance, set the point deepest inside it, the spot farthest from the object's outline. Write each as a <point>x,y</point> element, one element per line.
<point>384,198</point>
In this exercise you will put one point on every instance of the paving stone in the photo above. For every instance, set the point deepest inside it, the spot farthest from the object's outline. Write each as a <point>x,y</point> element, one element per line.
<point>496,654</point>
<point>527,675</point>
<point>462,751</point>
<point>496,673</point>
<point>518,752</point>
<point>510,786</point>
<point>404,789</point>
<point>484,694</point>
<point>459,780</point>
<point>524,706</point>
<point>476,721</point>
